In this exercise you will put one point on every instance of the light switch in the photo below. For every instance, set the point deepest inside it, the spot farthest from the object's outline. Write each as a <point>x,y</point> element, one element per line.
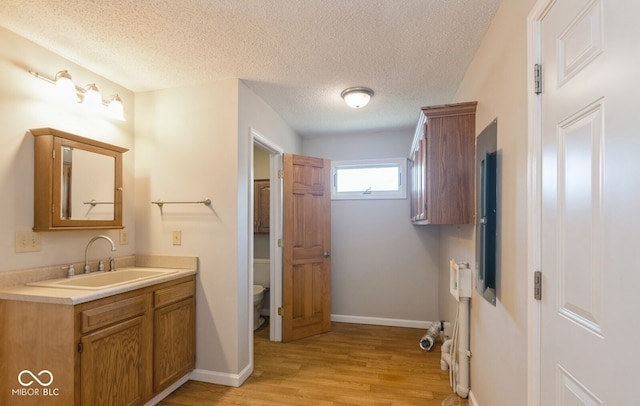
<point>177,237</point>
<point>27,241</point>
<point>124,237</point>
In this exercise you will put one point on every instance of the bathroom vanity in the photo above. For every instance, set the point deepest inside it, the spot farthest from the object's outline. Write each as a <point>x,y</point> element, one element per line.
<point>82,345</point>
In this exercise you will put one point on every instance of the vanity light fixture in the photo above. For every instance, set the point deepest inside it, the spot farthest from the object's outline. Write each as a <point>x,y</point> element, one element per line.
<point>357,97</point>
<point>65,87</point>
<point>89,96</point>
<point>115,108</point>
<point>92,99</point>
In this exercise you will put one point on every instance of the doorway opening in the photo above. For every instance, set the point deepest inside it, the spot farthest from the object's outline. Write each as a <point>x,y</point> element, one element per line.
<point>266,162</point>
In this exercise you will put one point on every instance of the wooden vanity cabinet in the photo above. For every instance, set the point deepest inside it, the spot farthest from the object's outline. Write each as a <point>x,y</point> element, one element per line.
<point>115,352</point>
<point>174,334</point>
<point>261,196</point>
<point>442,165</point>
<point>119,350</point>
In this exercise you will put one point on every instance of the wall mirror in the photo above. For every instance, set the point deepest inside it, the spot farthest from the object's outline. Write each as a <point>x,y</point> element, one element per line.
<point>77,182</point>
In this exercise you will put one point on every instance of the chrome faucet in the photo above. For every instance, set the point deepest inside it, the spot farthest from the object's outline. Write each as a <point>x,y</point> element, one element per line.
<point>86,251</point>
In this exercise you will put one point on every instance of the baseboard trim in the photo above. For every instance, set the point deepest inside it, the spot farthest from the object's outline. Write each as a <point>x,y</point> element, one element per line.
<point>160,396</point>
<point>472,399</point>
<point>378,321</point>
<point>220,378</point>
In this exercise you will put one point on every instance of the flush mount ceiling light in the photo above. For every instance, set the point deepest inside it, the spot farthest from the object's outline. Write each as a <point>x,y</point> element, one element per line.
<point>89,96</point>
<point>357,97</point>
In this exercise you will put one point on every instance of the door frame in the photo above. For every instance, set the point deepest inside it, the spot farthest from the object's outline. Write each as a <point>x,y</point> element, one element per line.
<point>275,232</point>
<point>534,162</point>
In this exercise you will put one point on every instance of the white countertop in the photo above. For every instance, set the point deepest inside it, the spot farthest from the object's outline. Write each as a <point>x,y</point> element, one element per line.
<point>73,296</point>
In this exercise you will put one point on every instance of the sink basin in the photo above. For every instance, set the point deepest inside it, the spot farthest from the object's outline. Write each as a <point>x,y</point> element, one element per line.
<point>102,280</point>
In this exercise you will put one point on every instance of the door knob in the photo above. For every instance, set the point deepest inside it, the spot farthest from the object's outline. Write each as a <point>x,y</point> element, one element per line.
<point>326,254</point>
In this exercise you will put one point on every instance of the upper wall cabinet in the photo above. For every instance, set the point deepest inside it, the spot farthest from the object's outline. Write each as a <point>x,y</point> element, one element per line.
<point>442,160</point>
<point>77,182</point>
<point>261,196</point>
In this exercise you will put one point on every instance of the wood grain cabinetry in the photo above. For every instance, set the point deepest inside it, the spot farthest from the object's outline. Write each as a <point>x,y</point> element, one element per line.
<point>174,334</point>
<point>115,352</point>
<point>119,350</point>
<point>261,196</point>
<point>77,182</point>
<point>442,165</point>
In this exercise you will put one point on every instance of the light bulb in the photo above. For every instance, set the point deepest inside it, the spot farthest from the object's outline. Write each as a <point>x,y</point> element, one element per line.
<point>357,97</point>
<point>65,88</point>
<point>92,99</point>
<point>115,108</point>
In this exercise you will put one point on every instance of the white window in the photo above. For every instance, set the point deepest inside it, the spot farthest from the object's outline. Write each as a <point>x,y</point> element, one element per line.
<point>369,179</point>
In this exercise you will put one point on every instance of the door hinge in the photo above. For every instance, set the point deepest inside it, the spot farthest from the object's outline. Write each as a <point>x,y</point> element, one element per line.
<point>280,174</point>
<point>80,347</point>
<point>537,285</point>
<point>280,311</point>
<point>53,153</point>
<point>537,78</point>
<point>280,242</point>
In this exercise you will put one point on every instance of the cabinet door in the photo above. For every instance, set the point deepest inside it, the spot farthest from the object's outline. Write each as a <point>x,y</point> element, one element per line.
<point>262,190</point>
<point>443,158</point>
<point>112,364</point>
<point>174,342</point>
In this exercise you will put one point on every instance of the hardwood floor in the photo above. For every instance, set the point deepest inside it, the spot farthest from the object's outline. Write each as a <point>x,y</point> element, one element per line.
<point>354,364</point>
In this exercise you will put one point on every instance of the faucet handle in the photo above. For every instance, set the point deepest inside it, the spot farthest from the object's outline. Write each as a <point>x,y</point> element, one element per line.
<point>71,271</point>
<point>112,264</point>
<point>101,265</point>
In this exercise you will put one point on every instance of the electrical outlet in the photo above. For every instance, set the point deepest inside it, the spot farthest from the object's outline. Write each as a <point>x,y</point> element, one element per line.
<point>27,241</point>
<point>124,237</point>
<point>177,237</point>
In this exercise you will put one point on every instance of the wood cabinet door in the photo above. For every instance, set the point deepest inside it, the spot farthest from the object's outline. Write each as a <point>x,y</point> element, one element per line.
<point>262,194</point>
<point>450,171</point>
<point>112,364</point>
<point>174,342</point>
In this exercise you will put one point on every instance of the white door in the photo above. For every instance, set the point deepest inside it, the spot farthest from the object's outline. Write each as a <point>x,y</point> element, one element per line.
<point>589,225</point>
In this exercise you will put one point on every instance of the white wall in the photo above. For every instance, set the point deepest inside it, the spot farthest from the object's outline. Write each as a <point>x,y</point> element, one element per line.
<point>382,266</point>
<point>497,79</point>
<point>26,102</point>
<point>194,143</point>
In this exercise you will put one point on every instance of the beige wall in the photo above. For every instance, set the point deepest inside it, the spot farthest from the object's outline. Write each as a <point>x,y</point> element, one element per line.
<point>27,102</point>
<point>497,79</point>
<point>186,150</point>
<point>194,143</point>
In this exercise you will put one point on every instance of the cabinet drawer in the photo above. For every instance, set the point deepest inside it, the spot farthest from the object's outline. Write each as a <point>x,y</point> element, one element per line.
<point>172,294</point>
<point>113,312</point>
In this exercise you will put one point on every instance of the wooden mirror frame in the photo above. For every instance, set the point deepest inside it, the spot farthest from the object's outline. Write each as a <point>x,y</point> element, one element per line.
<point>47,180</point>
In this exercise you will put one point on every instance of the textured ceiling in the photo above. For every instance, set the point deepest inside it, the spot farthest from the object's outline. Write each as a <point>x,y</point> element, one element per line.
<point>298,55</point>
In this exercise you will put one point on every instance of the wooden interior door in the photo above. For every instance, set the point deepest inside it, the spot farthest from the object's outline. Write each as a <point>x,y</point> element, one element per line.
<point>306,276</point>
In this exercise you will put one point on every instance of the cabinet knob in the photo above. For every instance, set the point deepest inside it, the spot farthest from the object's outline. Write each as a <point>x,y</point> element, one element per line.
<point>326,254</point>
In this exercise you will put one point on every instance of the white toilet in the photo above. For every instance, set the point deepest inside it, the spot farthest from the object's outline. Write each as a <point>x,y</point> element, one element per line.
<point>261,279</point>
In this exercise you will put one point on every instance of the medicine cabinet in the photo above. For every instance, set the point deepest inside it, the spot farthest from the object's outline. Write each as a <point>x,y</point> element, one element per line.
<point>77,182</point>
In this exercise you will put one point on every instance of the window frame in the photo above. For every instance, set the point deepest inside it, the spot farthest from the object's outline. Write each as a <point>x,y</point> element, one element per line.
<point>400,163</point>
